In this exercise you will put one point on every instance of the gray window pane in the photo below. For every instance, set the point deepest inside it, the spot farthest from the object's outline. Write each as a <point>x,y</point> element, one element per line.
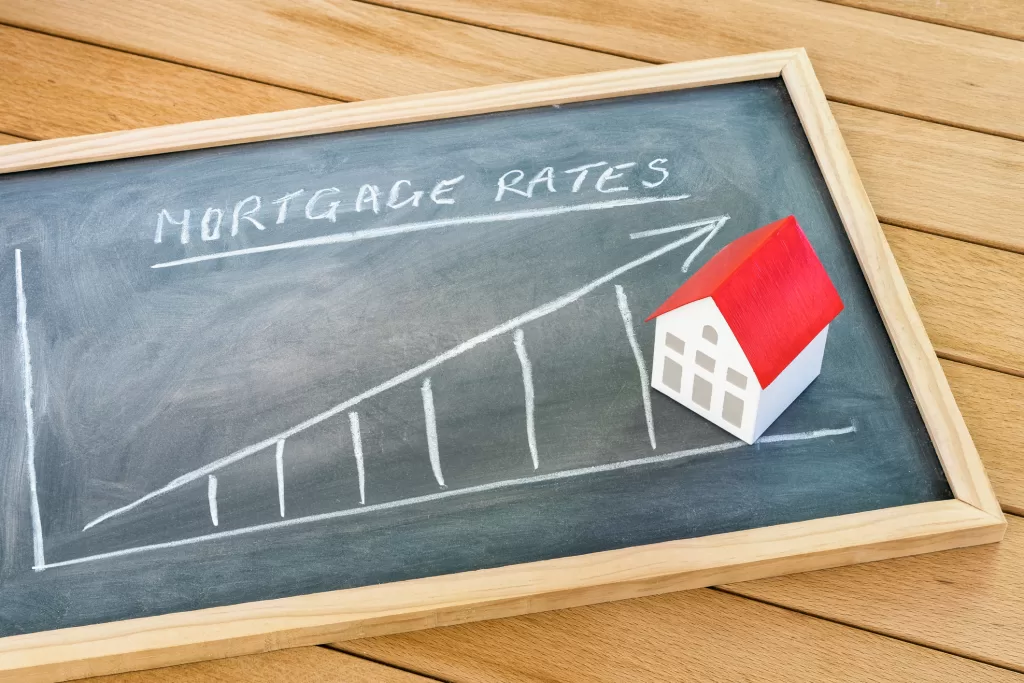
<point>672,375</point>
<point>702,392</point>
<point>675,343</point>
<point>705,361</point>
<point>736,378</point>
<point>710,334</point>
<point>732,409</point>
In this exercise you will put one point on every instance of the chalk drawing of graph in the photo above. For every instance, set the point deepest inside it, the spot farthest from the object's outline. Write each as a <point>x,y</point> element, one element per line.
<point>698,233</point>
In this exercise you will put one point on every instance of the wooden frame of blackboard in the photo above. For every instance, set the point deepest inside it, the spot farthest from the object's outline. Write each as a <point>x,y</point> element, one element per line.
<point>972,517</point>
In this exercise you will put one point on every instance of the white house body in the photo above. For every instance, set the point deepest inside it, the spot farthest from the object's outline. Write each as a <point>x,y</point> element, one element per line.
<point>699,363</point>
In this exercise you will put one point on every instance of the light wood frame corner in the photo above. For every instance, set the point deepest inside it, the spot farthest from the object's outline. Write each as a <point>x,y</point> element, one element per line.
<point>972,517</point>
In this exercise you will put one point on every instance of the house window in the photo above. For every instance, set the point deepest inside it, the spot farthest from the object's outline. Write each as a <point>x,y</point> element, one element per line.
<point>710,334</point>
<point>702,392</point>
<point>732,409</point>
<point>675,343</point>
<point>672,375</point>
<point>705,361</point>
<point>737,379</point>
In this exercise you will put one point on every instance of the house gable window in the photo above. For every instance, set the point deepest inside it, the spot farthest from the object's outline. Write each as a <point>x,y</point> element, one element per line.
<point>672,375</point>
<point>702,392</point>
<point>675,343</point>
<point>732,409</point>
<point>710,334</point>
<point>705,361</point>
<point>737,379</point>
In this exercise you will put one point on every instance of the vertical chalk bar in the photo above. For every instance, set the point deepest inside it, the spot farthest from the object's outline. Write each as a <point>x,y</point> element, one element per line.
<point>279,458</point>
<point>211,494</point>
<point>641,366</point>
<point>357,451</point>
<point>431,425</point>
<point>524,361</point>
<point>38,557</point>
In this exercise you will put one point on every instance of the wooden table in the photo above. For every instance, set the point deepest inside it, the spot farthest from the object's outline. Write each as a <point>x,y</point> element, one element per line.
<point>930,97</point>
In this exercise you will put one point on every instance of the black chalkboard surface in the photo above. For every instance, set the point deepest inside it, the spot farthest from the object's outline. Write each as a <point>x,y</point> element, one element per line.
<point>349,359</point>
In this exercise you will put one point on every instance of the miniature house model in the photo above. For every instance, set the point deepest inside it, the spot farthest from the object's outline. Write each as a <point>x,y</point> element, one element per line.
<point>745,335</point>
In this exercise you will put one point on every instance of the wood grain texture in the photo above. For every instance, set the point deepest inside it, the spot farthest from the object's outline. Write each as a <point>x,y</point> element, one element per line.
<point>942,418</point>
<point>306,664</point>
<point>701,635</point>
<point>920,175</point>
<point>996,17</point>
<point>68,88</point>
<point>969,296</point>
<point>10,139</point>
<point>923,201</point>
<point>347,50</point>
<point>732,641</point>
<point>382,609</point>
<point>969,601</point>
<point>882,61</point>
<point>991,404</point>
<point>876,60</point>
<point>393,111</point>
<point>936,178</point>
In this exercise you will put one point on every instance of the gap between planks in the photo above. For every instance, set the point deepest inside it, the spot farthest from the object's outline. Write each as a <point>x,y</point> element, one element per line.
<point>334,647</point>
<point>838,622</point>
<point>956,652</point>
<point>437,16</point>
<point>994,26</point>
<point>979,362</point>
<point>386,4</point>
<point>168,60</point>
<point>994,155</point>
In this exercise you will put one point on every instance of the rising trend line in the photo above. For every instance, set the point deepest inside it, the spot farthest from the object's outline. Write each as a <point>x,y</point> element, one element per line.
<point>451,493</point>
<point>402,228</point>
<point>412,373</point>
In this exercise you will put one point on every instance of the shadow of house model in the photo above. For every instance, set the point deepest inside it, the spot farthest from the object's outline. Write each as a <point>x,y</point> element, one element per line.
<point>745,335</point>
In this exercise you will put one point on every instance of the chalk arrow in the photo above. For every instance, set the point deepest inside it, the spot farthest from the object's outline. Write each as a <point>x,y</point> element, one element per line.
<point>708,227</point>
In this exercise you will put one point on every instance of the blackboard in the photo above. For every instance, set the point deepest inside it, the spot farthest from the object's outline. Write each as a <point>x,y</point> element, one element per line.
<point>360,361</point>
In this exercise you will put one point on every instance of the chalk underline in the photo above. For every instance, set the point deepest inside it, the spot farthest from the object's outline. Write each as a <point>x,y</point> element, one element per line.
<point>482,488</point>
<point>402,228</point>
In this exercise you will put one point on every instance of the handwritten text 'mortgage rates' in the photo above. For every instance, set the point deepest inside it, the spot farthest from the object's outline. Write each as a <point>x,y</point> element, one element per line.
<point>324,204</point>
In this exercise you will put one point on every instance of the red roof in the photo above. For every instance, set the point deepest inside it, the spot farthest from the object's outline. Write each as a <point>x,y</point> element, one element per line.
<point>772,290</point>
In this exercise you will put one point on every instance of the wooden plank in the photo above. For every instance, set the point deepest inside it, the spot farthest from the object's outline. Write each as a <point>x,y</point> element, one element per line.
<point>700,635</point>
<point>920,175</point>
<point>876,60</point>
<point>907,168</point>
<point>347,50</point>
<point>306,664</point>
<point>936,178</point>
<point>397,110</point>
<point>67,88</point>
<point>969,296</point>
<point>986,582</point>
<point>969,601</point>
<point>991,404</point>
<point>9,139</point>
<point>613,642</point>
<point>996,17</point>
<point>942,418</point>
